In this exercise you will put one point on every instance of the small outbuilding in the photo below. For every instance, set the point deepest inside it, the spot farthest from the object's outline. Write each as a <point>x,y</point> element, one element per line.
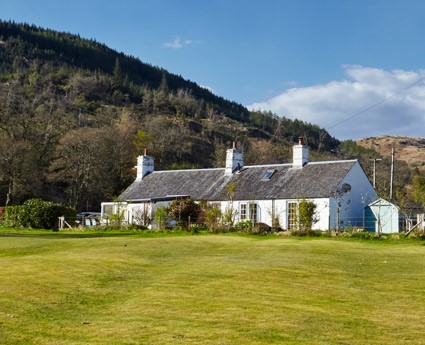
<point>382,216</point>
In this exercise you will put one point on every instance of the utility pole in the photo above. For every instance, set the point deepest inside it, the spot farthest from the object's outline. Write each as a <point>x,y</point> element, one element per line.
<point>392,173</point>
<point>374,170</point>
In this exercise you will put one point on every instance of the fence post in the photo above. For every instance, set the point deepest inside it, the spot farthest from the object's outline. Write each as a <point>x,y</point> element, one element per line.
<point>61,222</point>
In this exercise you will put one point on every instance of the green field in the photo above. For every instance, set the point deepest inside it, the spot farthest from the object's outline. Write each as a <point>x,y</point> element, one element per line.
<point>209,289</point>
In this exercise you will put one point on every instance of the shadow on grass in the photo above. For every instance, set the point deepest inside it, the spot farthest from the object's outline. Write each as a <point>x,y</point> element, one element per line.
<point>63,235</point>
<point>50,234</point>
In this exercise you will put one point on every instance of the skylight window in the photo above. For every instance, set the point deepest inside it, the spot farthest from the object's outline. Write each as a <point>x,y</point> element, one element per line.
<point>268,175</point>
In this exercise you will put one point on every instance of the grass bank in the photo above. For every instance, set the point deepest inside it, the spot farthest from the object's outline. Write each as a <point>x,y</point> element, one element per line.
<point>128,288</point>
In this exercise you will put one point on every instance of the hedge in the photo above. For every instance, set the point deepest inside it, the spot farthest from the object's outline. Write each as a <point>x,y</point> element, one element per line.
<point>38,214</point>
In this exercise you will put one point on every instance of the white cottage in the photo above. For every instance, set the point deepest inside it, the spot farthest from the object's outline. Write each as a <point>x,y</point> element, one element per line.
<point>340,189</point>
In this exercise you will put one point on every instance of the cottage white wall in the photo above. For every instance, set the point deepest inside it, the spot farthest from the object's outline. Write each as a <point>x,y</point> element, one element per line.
<point>138,213</point>
<point>264,209</point>
<point>280,211</point>
<point>322,212</point>
<point>279,207</point>
<point>133,213</point>
<point>352,203</point>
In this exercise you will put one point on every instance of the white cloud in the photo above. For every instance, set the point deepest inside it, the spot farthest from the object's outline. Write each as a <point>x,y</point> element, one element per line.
<point>177,43</point>
<point>369,102</point>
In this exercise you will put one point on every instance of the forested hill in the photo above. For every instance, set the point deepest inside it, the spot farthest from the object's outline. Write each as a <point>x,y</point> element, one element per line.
<point>74,115</point>
<point>53,46</point>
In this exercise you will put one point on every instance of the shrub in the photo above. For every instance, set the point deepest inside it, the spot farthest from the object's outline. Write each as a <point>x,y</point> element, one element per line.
<point>307,214</point>
<point>212,215</point>
<point>38,214</point>
<point>196,228</point>
<point>357,233</point>
<point>116,219</point>
<point>308,233</point>
<point>263,228</point>
<point>161,217</point>
<point>11,215</point>
<point>244,225</point>
<point>184,211</point>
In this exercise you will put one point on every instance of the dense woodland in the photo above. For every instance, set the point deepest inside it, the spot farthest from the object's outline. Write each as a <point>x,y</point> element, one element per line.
<point>75,114</point>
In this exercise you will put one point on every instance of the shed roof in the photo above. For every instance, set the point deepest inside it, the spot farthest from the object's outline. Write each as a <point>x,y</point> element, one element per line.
<point>314,180</point>
<point>382,202</point>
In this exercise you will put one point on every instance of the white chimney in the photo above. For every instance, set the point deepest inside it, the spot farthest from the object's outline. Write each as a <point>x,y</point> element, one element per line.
<point>234,160</point>
<point>300,154</point>
<point>145,165</point>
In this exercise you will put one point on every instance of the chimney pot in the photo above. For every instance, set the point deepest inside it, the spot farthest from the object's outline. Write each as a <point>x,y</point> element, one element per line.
<point>300,141</point>
<point>145,152</point>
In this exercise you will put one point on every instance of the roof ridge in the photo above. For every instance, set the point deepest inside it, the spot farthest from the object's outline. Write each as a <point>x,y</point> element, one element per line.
<point>257,166</point>
<point>267,165</point>
<point>336,161</point>
<point>185,170</point>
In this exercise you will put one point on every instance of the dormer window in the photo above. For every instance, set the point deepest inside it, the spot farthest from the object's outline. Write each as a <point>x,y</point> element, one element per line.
<point>268,175</point>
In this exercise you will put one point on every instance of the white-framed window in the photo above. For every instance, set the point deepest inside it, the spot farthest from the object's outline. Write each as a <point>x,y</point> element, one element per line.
<point>292,213</point>
<point>243,212</point>
<point>248,211</point>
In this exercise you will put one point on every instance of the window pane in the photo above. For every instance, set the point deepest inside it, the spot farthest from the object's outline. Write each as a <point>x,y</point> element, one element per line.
<point>243,211</point>
<point>292,215</point>
<point>253,212</point>
<point>107,210</point>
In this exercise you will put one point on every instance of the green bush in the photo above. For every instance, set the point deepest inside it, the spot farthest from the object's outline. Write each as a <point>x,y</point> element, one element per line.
<point>184,211</point>
<point>244,225</point>
<point>212,217</point>
<point>38,214</point>
<point>161,217</point>
<point>307,216</point>
<point>357,233</point>
<point>11,215</point>
<point>306,233</point>
<point>197,228</point>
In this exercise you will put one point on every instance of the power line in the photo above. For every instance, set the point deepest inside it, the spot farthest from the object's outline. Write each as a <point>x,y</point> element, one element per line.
<point>376,104</point>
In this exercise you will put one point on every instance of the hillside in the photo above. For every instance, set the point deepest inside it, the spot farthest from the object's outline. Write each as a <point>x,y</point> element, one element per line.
<point>51,46</point>
<point>410,150</point>
<point>75,114</point>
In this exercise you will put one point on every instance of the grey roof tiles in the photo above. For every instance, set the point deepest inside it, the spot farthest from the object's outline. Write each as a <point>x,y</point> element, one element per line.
<point>314,180</point>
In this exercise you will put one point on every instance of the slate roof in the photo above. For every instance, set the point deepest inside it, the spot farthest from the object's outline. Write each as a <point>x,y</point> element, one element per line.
<point>314,180</point>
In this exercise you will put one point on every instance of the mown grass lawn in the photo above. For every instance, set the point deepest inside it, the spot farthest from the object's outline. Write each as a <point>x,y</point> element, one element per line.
<point>209,289</point>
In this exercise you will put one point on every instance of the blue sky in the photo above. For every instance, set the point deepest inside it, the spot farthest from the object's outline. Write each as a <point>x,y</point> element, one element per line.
<point>354,67</point>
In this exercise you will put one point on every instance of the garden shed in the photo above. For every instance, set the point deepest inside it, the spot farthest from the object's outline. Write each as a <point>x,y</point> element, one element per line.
<point>382,216</point>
